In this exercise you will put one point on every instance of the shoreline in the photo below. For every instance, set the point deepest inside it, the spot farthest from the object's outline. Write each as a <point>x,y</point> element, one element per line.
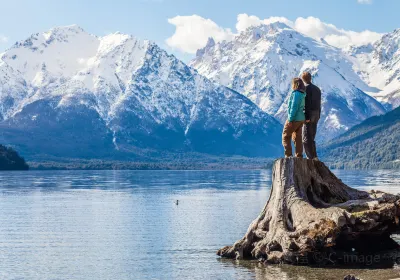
<point>258,164</point>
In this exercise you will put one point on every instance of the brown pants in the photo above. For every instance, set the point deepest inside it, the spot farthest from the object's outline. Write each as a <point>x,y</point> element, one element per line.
<point>295,132</point>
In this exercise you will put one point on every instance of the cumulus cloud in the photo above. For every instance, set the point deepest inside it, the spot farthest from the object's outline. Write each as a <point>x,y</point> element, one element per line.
<point>192,32</point>
<point>3,39</point>
<point>352,38</point>
<point>364,1</point>
<point>245,21</point>
<point>315,28</point>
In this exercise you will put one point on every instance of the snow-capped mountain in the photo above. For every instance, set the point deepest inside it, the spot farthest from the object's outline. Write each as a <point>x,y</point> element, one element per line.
<point>261,61</point>
<point>69,93</point>
<point>379,66</point>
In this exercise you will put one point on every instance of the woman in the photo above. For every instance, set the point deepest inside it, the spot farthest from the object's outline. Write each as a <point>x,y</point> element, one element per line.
<point>294,125</point>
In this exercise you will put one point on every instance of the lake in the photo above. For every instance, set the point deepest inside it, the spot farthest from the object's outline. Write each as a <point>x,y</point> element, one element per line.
<point>126,224</point>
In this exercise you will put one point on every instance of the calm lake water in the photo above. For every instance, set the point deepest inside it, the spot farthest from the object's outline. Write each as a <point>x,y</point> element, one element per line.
<point>125,224</point>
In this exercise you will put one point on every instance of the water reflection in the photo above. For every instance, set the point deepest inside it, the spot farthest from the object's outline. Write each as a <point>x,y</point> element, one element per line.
<point>384,180</point>
<point>125,225</point>
<point>134,180</point>
<point>287,272</point>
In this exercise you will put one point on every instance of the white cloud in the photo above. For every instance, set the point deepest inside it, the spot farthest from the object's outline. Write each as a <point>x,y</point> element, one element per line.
<point>364,1</point>
<point>244,21</point>
<point>334,36</point>
<point>3,39</point>
<point>352,38</point>
<point>192,32</point>
<point>315,28</point>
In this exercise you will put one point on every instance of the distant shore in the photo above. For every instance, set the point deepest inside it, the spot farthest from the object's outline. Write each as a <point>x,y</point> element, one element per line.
<point>228,163</point>
<point>212,164</point>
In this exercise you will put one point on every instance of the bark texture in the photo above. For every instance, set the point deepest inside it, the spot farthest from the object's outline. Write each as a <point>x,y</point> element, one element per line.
<point>311,210</point>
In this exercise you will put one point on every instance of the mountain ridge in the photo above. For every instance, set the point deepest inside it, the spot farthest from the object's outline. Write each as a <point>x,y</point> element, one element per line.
<point>261,61</point>
<point>120,96</point>
<point>378,64</point>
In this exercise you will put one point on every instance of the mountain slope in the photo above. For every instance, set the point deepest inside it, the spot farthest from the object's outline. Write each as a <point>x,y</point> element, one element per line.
<point>379,66</point>
<point>68,93</point>
<point>261,61</point>
<point>372,144</point>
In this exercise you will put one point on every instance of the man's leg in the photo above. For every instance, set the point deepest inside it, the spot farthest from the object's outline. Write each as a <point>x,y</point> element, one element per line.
<point>314,134</point>
<point>297,138</point>
<point>286,135</point>
<point>308,140</point>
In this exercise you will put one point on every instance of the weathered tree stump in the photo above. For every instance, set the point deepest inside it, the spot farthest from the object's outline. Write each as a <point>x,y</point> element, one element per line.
<point>310,210</point>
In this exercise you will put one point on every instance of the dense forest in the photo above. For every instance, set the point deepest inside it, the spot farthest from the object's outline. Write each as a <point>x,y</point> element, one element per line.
<point>193,162</point>
<point>373,144</point>
<point>10,159</point>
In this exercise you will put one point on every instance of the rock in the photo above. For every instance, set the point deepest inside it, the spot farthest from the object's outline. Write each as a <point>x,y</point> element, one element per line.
<point>351,277</point>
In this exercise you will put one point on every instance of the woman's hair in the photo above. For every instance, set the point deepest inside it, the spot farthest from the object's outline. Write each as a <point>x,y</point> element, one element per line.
<point>297,84</point>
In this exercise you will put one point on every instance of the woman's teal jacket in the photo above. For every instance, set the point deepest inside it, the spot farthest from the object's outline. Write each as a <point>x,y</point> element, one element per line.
<point>296,106</point>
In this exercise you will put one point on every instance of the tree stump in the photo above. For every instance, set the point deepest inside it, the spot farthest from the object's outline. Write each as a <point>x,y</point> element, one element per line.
<point>310,210</point>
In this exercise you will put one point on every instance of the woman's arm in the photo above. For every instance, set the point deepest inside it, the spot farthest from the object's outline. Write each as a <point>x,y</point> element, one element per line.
<point>295,105</point>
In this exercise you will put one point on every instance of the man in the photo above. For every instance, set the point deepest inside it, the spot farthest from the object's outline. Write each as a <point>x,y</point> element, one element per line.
<point>312,113</point>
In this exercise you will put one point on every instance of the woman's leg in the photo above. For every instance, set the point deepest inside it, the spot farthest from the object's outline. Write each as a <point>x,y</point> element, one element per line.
<point>297,138</point>
<point>286,135</point>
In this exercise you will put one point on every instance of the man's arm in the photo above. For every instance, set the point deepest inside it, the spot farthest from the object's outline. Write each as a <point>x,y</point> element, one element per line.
<point>308,103</point>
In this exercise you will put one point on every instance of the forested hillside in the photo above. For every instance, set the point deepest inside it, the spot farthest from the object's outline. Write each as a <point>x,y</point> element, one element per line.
<point>372,144</point>
<point>10,159</point>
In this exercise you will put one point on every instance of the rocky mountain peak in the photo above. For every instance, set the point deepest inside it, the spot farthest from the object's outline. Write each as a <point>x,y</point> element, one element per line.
<point>124,94</point>
<point>261,61</point>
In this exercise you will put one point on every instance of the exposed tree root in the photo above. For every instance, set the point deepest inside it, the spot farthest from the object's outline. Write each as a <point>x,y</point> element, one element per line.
<point>311,210</point>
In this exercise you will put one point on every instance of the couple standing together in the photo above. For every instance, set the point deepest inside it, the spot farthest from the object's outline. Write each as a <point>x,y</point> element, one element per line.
<point>304,111</point>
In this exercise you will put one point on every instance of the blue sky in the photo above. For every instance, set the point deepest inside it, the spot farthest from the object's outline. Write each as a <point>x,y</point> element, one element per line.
<point>148,19</point>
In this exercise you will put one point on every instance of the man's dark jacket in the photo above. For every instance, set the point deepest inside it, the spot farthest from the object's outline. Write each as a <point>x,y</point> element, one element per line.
<point>313,103</point>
